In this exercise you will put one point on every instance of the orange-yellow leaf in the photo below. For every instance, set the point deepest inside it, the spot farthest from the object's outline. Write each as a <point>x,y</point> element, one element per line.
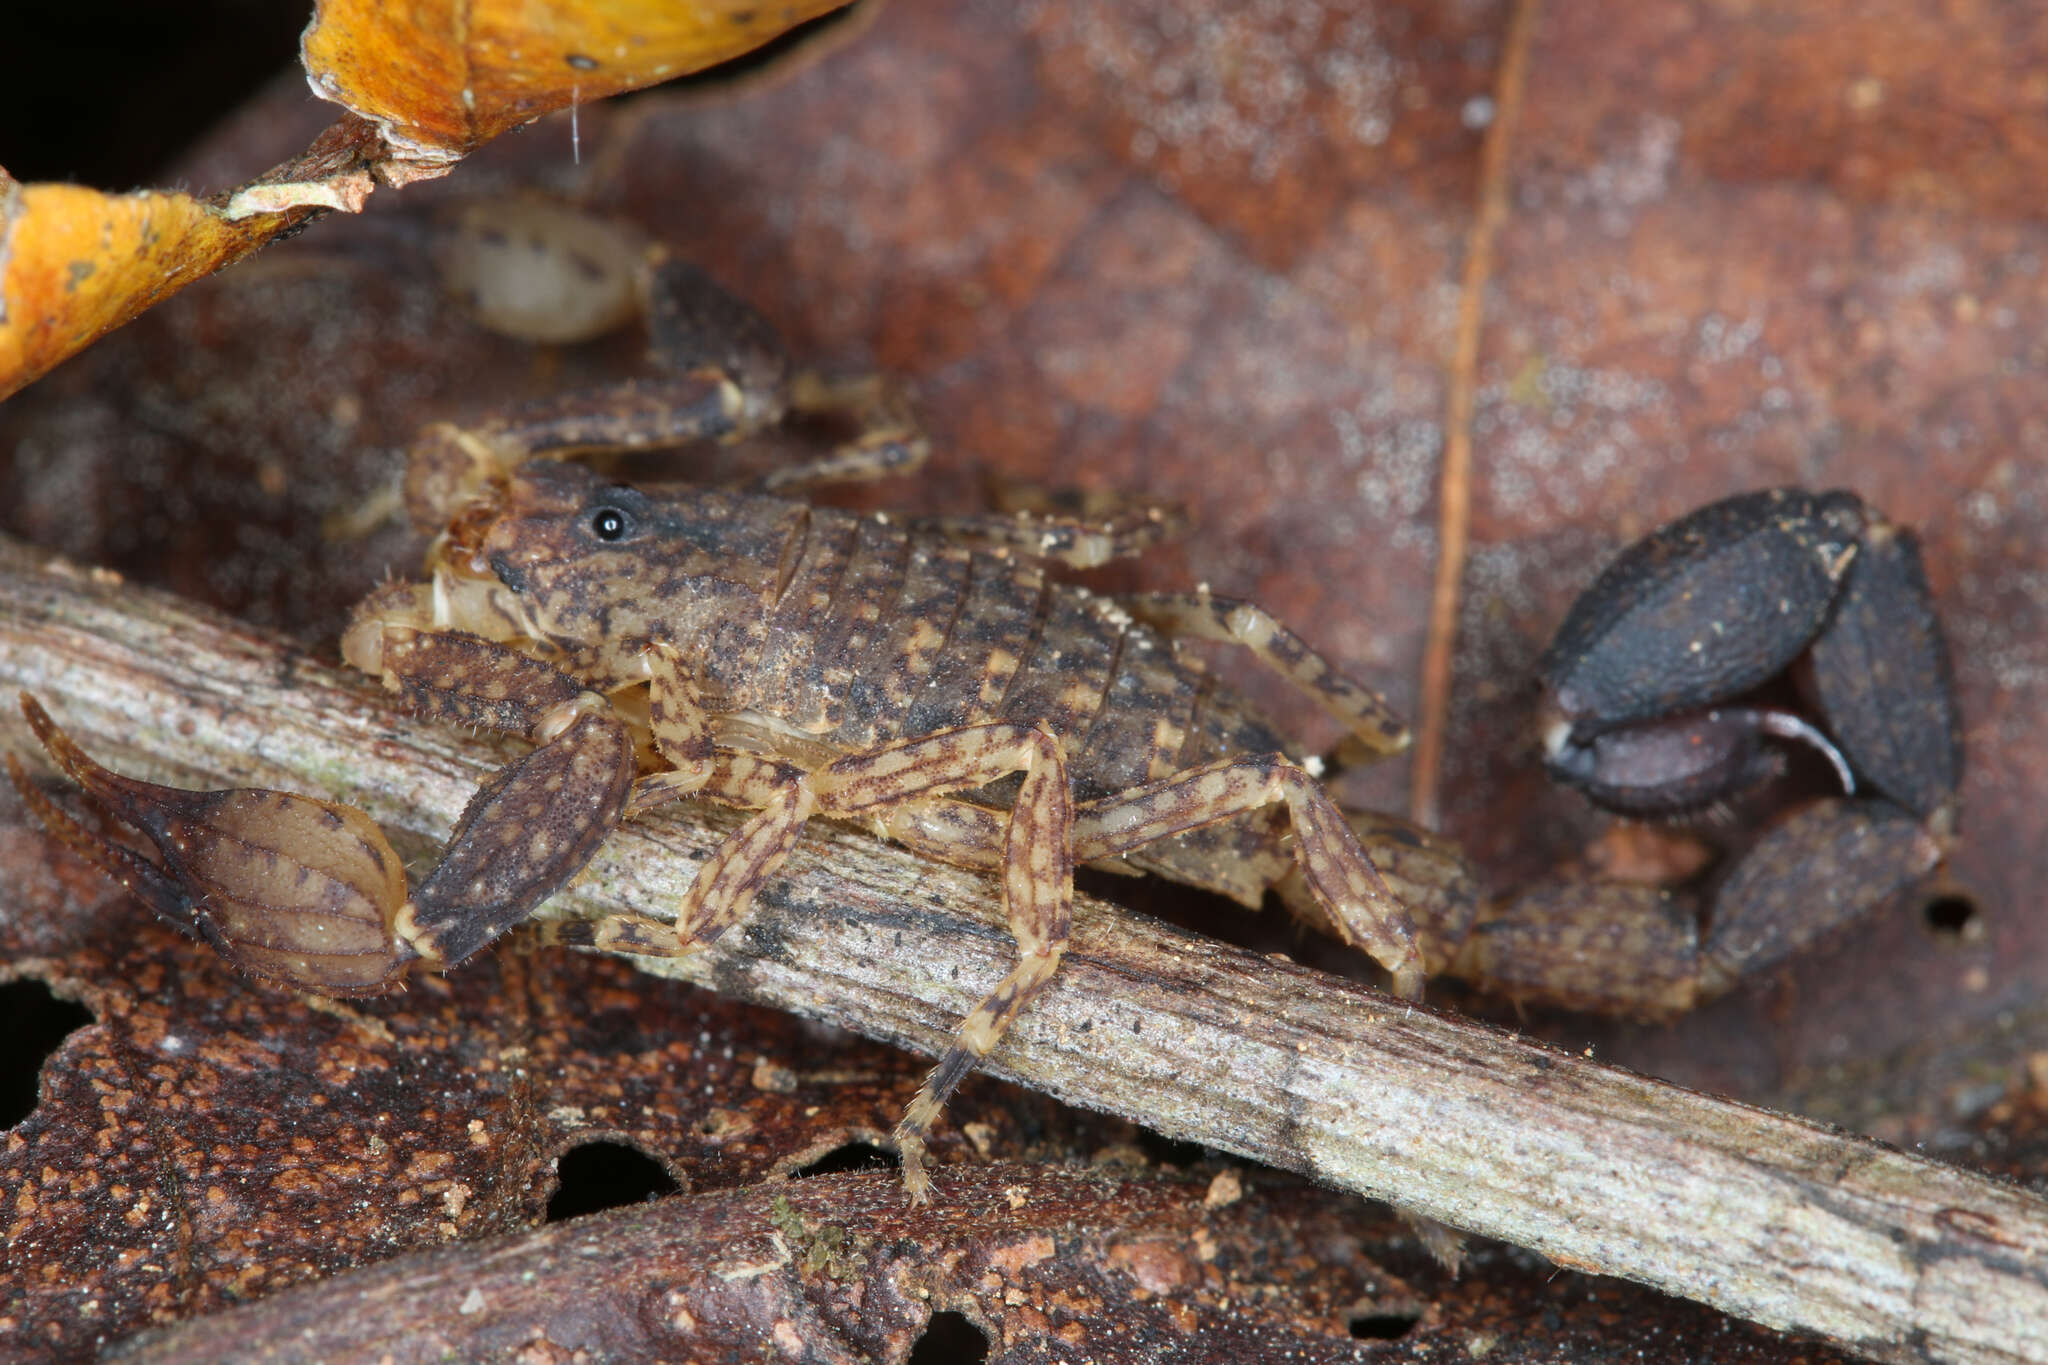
<point>76,263</point>
<point>443,76</point>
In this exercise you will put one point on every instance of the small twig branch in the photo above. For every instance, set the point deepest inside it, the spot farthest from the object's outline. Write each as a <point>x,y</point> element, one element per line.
<point>1762,1215</point>
<point>1461,397</point>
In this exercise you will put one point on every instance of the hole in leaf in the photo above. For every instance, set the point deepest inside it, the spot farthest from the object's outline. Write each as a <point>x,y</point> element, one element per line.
<point>1380,1325</point>
<point>606,1175</point>
<point>949,1338</point>
<point>38,1022</point>
<point>1952,916</point>
<point>849,1156</point>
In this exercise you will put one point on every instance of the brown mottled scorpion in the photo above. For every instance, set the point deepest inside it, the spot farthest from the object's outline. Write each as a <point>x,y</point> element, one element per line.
<point>930,679</point>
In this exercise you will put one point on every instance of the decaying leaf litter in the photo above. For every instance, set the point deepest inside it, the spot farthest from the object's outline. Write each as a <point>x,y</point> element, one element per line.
<point>1726,365</point>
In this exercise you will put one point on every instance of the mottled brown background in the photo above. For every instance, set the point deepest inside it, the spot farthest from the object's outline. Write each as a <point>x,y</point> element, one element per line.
<point>1205,252</point>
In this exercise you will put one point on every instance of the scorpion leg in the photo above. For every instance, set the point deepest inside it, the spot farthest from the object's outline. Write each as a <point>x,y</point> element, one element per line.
<point>1036,865</point>
<point>887,439</point>
<point>1428,875</point>
<point>682,732</point>
<point>1078,542</point>
<point>536,822</point>
<point>1375,731</point>
<point>1334,864</point>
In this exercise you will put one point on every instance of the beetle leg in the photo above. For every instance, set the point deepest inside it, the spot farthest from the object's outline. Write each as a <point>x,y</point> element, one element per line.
<point>1375,730</point>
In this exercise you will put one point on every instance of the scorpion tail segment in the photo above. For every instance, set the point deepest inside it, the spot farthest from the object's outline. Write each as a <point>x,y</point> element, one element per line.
<point>1813,872</point>
<point>1881,670</point>
<point>1756,574</point>
<point>1613,947</point>
<point>529,829</point>
<point>285,887</point>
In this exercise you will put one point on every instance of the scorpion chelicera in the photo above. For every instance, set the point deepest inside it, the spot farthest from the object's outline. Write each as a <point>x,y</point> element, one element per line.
<point>933,679</point>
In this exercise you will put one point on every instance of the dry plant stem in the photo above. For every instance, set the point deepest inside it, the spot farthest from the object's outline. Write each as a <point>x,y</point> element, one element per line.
<point>1765,1216</point>
<point>1454,480</point>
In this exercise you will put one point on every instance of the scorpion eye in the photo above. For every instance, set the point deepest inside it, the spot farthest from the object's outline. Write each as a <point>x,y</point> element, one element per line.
<point>609,523</point>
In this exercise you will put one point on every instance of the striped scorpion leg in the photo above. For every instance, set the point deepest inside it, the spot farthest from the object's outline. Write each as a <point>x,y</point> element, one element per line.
<point>1036,865</point>
<point>1326,849</point>
<point>1375,731</point>
<point>1421,876</point>
<point>1078,542</point>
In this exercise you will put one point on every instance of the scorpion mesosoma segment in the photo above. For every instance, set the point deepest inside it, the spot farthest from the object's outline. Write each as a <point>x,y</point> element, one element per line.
<point>794,661</point>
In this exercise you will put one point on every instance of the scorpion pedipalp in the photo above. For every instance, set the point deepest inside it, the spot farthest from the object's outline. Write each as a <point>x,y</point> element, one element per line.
<point>311,894</point>
<point>299,891</point>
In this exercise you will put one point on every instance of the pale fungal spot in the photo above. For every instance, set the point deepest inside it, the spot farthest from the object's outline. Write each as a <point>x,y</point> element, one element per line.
<point>1864,94</point>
